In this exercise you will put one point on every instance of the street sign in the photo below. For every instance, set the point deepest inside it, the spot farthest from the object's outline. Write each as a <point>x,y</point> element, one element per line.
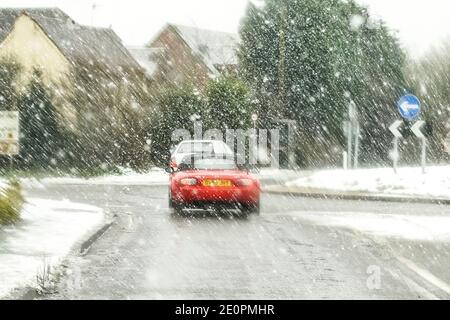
<point>9,132</point>
<point>409,106</point>
<point>447,143</point>
<point>416,129</point>
<point>394,128</point>
<point>254,117</point>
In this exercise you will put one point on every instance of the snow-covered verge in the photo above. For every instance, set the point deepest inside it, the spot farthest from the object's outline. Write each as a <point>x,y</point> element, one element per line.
<point>46,234</point>
<point>279,174</point>
<point>408,181</point>
<point>407,226</point>
<point>156,176</point>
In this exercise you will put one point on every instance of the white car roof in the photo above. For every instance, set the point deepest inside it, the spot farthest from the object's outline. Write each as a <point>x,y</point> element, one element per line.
<point>191,141</point>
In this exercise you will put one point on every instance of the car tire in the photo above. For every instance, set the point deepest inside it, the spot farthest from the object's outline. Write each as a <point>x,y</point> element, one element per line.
<point>251,208</point>
<point>177,209</point>
<point>256,209</point>
<point>170,201</point>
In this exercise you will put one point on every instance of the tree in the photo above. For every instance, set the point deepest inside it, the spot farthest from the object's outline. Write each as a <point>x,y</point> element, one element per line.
<point>41,139</point>
<point>9,71</point>
<point>176,108</point>
<point>112,118</point>
<point>307,59</point>
<point>228,103</point>
<point>430,78</point>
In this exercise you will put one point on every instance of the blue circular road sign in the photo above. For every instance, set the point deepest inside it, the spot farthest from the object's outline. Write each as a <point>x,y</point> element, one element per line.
<point>409,106</point>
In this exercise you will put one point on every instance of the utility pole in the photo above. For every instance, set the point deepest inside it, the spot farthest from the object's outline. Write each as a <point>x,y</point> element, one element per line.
<point>355,160</point>
<point>352,128</point>
<point>282,59</point>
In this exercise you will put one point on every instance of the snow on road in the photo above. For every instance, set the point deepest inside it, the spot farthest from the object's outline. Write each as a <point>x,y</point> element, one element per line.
<point>408,181</point>
<point>47,232</point>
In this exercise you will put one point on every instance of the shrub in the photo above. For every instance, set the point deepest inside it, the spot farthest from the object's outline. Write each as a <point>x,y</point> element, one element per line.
<point>11,202</point>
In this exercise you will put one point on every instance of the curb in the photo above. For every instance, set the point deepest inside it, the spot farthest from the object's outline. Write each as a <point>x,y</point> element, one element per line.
<point>86,245</point>
<point>29,293</point>
<point>330,194</point>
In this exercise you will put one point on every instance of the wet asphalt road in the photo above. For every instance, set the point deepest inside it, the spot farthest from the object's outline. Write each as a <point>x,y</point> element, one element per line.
<point>150,254</point>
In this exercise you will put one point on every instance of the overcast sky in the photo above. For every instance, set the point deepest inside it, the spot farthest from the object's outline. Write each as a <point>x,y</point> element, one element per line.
<point>420,23</point>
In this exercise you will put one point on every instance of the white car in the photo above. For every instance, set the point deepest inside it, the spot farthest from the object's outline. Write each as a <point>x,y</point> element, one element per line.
<point>190,147</point>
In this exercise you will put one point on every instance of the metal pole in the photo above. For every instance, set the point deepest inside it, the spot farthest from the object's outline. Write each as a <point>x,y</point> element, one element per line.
<point>344,160</point>
<point>395,154</point>
<point>349,144</point>
<point>424,154</point>
<point>291,138</point>
<point>355,161</point>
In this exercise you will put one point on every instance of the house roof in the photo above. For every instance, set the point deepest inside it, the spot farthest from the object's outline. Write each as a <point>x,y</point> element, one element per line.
<point>215,48</point>
<point>78,43</point>
<point>145,57</point>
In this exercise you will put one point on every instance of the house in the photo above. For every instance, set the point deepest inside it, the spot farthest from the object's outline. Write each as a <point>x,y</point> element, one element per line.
<point>146,58</point>
<point>49,40</point>
<point>187,54</point>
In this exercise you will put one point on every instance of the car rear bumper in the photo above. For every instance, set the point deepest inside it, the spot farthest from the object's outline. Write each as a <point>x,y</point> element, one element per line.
<point>192,195</point>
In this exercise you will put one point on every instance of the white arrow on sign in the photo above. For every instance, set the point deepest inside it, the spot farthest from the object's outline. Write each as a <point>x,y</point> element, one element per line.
<point>394,128</point>
<point>416,129</point>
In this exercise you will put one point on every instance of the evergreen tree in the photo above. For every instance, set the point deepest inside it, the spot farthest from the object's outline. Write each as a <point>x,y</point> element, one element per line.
<point>177,108</point>
<point>228,104</point>
<point>430,77</point>
<point>307,59</point>
<point>41,140</point>
<point>9,71</point>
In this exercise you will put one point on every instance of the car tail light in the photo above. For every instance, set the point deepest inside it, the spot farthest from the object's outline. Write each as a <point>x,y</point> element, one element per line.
<point>244,182</point>
<point>188,182</point>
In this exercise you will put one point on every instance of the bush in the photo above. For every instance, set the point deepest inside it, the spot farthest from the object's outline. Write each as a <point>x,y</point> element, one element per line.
<point>11,202</point>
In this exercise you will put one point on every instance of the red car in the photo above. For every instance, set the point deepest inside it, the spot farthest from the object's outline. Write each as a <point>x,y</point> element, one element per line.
<point>203,181</point>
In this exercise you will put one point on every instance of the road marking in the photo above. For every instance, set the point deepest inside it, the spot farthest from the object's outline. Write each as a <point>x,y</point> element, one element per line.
<point>425,274</point>
<point>412,285</point>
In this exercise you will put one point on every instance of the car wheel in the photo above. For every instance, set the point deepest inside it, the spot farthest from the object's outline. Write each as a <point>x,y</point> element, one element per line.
<point>256,208</point>
<point>177,208</point>
<point>251,208</point>
<point>170,201</point>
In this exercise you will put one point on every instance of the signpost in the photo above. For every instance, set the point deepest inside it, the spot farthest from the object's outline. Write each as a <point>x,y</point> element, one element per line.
<point>447,143</point>
<point>409,109</point>
<point>397,135</point>
<point>9,133</point>
<point>416,129</point>
<point>351,131</point>
<point>254,119</point>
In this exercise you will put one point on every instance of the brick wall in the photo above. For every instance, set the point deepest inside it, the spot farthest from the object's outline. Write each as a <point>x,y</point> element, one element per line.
<point>177,63</point>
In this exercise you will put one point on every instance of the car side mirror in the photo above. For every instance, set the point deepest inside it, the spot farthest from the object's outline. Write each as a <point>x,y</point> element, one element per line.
<point>169,170</point>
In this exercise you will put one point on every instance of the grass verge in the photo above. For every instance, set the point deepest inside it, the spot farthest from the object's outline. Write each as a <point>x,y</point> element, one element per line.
<point>11,202</point>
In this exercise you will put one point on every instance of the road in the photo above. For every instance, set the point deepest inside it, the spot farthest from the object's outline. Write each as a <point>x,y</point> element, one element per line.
<point>149,254</point>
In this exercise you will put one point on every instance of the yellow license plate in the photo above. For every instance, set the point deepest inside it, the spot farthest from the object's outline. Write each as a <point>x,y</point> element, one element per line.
<point>216,183</point>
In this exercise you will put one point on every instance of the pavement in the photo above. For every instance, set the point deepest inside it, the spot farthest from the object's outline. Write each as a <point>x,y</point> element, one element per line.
<point>284,253</point>
<point>352,195</point>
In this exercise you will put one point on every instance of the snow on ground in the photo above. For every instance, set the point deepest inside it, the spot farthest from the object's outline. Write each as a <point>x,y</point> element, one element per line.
<point>407,181</point>
<point>411,227</point>
<point>281,174</point>
<point>47,232</point>
<point>155,176</point>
